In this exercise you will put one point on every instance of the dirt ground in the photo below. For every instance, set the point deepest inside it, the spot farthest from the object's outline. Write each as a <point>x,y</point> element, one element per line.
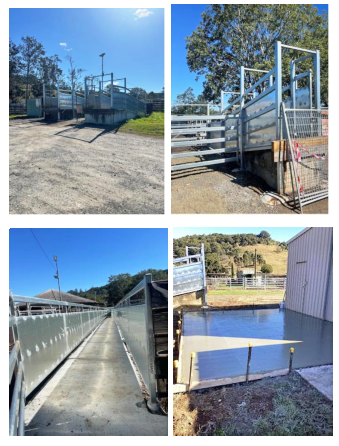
<point>218,190</point>
<point>282,406</point>
<point>72,168</point>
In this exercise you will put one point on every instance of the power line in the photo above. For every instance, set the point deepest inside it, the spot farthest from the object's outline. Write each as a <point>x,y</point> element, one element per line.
<point>42,249</point>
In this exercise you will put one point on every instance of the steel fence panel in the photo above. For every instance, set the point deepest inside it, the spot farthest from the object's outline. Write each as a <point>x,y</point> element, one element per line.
<point>306,132</point>
<point>47,339</point>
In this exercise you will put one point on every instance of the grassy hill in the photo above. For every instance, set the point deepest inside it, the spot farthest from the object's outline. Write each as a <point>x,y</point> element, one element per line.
<point>229,253</point>
<point>274,257</point>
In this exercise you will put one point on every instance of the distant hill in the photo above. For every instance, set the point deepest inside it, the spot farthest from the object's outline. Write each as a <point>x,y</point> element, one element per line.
<point>118,286</point>
<point>228,253</point>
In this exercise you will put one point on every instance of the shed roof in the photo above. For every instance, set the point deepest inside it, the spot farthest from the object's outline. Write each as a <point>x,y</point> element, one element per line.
<point>67,297</point>
<point>298,235</point>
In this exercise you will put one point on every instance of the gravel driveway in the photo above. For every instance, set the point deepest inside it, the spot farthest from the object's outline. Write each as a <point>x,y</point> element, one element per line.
<point>70,168</point>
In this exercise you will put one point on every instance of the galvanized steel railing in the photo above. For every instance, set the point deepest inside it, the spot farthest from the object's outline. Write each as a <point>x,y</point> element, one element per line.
<point>247,283</point>
<point>16,380</point>
<point>306,133</point>
<point>44,333</point>
<point>189,273</point>
<point>251,121</point>
<point>133,315</point>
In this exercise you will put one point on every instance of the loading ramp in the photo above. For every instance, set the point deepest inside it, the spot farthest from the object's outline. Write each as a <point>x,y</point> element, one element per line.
<point>98,395</point>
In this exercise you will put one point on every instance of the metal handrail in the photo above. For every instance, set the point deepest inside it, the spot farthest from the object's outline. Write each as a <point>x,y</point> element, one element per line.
<point>34,300</point>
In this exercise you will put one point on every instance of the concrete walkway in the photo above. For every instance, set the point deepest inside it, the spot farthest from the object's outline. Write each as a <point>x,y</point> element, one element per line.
<point>321,378</point>
<point>98,394</point>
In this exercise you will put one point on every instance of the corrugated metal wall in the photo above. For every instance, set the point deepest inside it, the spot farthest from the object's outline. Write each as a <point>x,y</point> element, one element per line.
<point>309,273</point>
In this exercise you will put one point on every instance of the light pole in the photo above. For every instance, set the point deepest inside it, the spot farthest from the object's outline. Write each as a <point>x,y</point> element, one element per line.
<point>102,69</point>
<point>57,274</point>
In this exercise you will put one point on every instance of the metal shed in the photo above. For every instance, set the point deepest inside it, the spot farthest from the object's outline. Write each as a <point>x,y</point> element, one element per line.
<point>310,273</point>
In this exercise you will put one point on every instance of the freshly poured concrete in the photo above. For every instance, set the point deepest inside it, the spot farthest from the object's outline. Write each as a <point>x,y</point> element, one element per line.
<point>220,340</point>
<point>97,395</point>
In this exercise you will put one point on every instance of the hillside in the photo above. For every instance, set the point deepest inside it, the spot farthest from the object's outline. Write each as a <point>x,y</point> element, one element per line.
<point>277,259</point>
<point>118,286</point>
<point>228,253</point>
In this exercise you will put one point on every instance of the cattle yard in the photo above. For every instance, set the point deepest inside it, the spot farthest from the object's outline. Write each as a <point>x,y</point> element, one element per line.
<point>273,129</point>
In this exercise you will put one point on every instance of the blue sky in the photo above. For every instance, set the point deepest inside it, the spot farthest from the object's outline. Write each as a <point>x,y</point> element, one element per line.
<point>279,234</point>
<point>86,257</point>
<point>185,19</point>
<point>133,39</point>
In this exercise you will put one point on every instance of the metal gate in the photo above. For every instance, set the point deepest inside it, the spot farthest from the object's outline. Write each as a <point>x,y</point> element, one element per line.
<point>306,133</point>
<point>189,272</point>
<point>208,135</point>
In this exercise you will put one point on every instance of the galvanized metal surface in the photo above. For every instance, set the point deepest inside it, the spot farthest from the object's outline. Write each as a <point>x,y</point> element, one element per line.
<point>246,283</point>
<point>310,273</point>
<point>220,340</point>
<point>189,272</point>
<point>252,120</point>
<point>95,393</point>
<point>46,340</point>
<point>133,315</point>
<point>307,134</point>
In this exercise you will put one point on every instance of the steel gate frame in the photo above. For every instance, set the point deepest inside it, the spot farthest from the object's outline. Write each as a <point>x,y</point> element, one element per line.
<point>306,189</point>
<point>191,273</point>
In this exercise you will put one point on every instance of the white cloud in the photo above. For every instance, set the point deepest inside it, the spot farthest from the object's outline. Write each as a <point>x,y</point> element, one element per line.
<point>115,82</point>
<point>63,44</point>
<point>140,13</point>
<point>68,49</point>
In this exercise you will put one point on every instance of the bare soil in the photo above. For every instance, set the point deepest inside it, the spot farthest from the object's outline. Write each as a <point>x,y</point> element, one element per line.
<point>218,190</point>
<point>72,168</point>
<point>286,405</point>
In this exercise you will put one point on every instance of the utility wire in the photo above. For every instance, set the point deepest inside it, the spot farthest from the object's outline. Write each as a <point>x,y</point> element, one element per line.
<point>42,249</point>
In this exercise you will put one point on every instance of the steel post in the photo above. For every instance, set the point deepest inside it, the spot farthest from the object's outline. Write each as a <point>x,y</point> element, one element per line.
<point>317,80</point>
<point>241,116</point>
<point>112,90</point>
<point>205,303</point>
<point>152,403</point>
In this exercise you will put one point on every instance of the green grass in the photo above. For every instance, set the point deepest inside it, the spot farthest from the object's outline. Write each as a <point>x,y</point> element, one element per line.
<point>152,125</point>
<point>241,292</point>
<point>16,116</point>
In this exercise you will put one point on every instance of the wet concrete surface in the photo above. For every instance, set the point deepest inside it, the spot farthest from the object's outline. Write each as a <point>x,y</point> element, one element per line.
<point>220,340</point>
<point>98,395</point>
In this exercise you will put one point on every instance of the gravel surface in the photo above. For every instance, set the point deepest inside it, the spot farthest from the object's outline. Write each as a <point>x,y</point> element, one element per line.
<point>70,168</point>
<point>218,190</point>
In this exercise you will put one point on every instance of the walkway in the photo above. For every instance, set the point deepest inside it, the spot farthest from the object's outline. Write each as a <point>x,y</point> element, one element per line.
<point>94,393</point>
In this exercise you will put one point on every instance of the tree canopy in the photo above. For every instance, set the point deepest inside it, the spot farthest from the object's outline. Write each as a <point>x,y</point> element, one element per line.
<point>118,286</point>
<point>232,35</point>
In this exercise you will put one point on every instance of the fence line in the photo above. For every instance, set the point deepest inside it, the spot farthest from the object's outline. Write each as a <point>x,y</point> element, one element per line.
<point>247,283</point>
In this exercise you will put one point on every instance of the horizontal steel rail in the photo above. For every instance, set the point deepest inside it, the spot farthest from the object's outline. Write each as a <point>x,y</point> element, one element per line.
<point>203,163</point>
<point>188,131</point>
<point>180,118</point>
<point>298,49</point>
<point>260,96</point>
<point>203,152</point>
<point>59,303</point>
<point>199,142</point>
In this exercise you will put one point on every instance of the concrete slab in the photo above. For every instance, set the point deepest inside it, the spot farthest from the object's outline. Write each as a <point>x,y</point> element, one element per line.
<point>98,395</point>
<point>220,340</point>
<point>321,378</point>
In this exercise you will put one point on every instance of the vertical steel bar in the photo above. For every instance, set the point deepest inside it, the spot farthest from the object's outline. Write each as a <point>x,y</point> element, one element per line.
<point>21,427</point>
<point>317,80</point>
<point>112,90</point>
<point>278,84</point>
<point>205,304</point>
<point>241,119</point>
<point>152,404</point>
<point>58,93</point>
